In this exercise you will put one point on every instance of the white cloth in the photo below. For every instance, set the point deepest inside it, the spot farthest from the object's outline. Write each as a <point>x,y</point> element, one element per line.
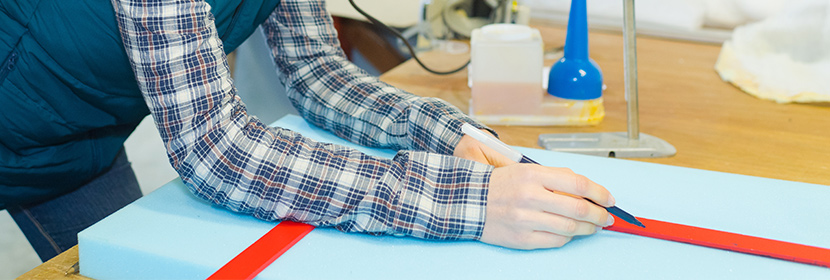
<point>653,14</point>
<point>785,58</point>
<point>729,14</point>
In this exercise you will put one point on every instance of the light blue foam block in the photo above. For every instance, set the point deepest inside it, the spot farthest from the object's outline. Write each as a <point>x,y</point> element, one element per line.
<point>171,234</point>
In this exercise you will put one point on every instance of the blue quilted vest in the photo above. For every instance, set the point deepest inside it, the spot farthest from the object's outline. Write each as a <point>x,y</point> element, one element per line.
<point>68,97</point>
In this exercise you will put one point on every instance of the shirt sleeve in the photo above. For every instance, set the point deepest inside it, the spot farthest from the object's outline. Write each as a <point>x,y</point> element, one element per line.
<point>231,159</point>
<point>333,93</point>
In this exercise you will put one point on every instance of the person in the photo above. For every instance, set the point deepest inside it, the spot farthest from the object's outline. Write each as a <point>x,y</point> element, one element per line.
<point>79,76</point>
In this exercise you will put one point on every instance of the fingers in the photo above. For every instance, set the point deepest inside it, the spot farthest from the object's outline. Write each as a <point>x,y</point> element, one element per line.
<point>563,226</point>
<point>541,239</point>
<point>495,158</point>
<point>574,208</point>
<point>565,180</point>
<point>527,240</point>
<point>471,149</point>
<point>534,229</point>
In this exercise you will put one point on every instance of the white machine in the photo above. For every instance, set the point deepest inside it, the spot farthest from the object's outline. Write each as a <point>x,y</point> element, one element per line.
<point>456,19</point>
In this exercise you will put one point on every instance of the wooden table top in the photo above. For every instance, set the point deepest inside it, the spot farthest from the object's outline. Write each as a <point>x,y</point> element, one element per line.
<point>714,125</point>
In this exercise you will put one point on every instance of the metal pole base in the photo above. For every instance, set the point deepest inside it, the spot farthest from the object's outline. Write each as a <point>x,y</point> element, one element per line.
<point>608,144</point>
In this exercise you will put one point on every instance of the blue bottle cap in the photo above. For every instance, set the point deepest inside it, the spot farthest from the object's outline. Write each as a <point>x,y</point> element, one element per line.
<point>576,76</point>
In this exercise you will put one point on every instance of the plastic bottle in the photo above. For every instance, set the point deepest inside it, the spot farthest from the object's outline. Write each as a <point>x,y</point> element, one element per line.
<point>506,76</point>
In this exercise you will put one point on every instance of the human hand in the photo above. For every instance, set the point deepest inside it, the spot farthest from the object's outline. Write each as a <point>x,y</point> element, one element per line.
<point>472,149</point>
<point>532,206</point>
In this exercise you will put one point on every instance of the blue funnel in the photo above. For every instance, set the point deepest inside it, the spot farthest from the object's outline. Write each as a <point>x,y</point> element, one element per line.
<point>576,76</point>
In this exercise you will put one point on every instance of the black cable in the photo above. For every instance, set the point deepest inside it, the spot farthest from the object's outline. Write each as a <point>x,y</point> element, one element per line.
<point>408,46</point>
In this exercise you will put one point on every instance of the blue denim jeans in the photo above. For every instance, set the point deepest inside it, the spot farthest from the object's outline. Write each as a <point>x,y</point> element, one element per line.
<point>52,226</point>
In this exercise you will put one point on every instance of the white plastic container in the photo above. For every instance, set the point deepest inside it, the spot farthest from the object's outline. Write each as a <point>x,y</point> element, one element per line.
<point>506,77</point>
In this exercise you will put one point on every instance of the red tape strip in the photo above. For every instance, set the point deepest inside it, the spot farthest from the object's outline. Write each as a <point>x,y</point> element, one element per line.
<point>263,252</point>
<point>278,240</point>
<point>727,241</point>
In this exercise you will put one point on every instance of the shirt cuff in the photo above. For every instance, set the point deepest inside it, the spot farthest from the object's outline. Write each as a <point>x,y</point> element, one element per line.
<point>446,203</point>
<point>440,124</point>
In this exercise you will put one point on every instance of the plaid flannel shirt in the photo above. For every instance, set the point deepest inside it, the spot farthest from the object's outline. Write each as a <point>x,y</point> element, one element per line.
<point>232,159</point>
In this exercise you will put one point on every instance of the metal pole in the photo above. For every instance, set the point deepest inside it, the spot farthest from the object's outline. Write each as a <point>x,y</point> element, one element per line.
<point>630,64</point>
<point>616,144</point>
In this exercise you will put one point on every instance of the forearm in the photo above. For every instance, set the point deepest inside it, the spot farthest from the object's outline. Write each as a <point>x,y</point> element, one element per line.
<point>416,193</point>
<point>335,94</point>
